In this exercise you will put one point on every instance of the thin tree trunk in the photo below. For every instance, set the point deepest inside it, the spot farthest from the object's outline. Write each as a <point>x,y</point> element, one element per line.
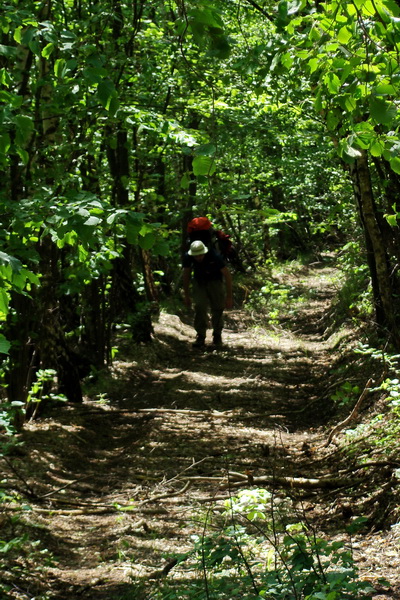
<point>125,299</point>
<point>385,304</point>
<point>53,350</point>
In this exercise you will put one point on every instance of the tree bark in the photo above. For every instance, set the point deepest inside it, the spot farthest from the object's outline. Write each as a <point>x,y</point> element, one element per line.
<point>386,314</point>
<point>125,300</point>
<point>53,350</point>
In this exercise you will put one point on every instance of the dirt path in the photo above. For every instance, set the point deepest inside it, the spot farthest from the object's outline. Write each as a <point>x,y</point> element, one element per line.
<point>122,479</point>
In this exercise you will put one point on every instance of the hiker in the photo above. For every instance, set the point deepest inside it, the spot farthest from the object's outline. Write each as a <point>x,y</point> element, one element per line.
<point>209,292</point>
<point>201,228</point>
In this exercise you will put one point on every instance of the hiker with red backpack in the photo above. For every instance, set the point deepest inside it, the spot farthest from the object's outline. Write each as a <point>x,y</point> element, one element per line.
<point>211,282</point>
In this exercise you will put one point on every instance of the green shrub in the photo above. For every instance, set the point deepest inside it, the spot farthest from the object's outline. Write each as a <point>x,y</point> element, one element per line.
<point>254,556</point>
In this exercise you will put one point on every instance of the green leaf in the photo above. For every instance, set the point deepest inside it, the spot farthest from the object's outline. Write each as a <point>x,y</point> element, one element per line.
<point>392,220</point>
<point>294,6</point>
<point>107,94</point>
<point>4,345</point>
<point>350,103</point>
<point>13,262</point>
<point>377,148</point>
<point>114,215</point>
<point>198,32</point>
<point>382,112</point>
<point>34,46</point>
<point>203,165</point>
<point>30,276</point>
<point>220,46</point>
<point>146,242</point>
<point>332,82</point>
<point>185,181</point>
<point>344,35</point>
<point>5,78</point>
<point>161,248</point>
<point>353,152</point>
<point>24,125</point>
<point>47,50</point>
<point>8,51</point>
<point>28,38</point>
<point>18,34</point>
<point>114,105</point>
<point>132,232</point>
<point>332,120</point>
<point>83,212</point>
<point>384,13</point>
<point>145,229</point>
<point>282,17</point>
<point>5,143</point>
<point>313,64</point>
<point>206,17</point>
<point>287,60</point>
<point>384,88</point>
<point>395,164</point>
<point>314,34</point>
<point>318,104</point>
<point>23,154</point>
<point>4,300</point>
<point>94,74</point>
<point>60,68</point>
<point>92,221</point>
<point>205,150</point>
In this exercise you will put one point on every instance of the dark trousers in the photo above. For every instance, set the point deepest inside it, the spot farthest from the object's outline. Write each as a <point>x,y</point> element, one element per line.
<point>208,296</point>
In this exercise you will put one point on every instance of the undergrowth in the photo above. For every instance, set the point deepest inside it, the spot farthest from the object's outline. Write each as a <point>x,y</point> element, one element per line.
<point>261,550</point>
<point>23,556</point>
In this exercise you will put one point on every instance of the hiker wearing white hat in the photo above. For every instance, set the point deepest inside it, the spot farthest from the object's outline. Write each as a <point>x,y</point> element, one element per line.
<point>208,289</point>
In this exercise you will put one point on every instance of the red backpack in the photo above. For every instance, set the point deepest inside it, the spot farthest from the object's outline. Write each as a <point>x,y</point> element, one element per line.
<point>201,229</point>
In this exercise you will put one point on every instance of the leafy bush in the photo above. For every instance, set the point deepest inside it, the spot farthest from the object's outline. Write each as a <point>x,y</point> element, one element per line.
<point>246,561</point>
<point>21,555</point>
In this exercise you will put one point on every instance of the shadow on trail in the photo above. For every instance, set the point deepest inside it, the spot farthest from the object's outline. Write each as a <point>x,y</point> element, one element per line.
<point>251,380</point>
<point>172,415</point>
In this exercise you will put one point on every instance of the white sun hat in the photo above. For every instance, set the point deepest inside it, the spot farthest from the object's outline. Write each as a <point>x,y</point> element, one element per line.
<point>197,248</point>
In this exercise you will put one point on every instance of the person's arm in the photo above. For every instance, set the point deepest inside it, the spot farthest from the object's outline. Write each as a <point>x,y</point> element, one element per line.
<point>229,287</point>
<point>186,285</point>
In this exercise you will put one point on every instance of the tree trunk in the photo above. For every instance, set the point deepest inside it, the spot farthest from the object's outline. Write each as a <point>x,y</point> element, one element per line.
<point>125,300</point>
<point>378,259</point>
<point>149,283</point>
<point>95,341</point>
<point>23,357</point>
<point>187,214</point>
<point>53,350</point>
<point>187,165</point>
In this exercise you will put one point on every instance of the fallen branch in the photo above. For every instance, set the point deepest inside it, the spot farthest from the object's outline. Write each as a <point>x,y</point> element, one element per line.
<point>167,494</point>
<point>203,478</point>
<point>235,480</point>
<point>213,499</point>
<point>294,482</point>
<point>193,464</point>
<point>64,487</point>
<point>108,509</point>
<point>30,492</point>
<point>352,416</point>
<point>159,574</point>
<point>195,413</point>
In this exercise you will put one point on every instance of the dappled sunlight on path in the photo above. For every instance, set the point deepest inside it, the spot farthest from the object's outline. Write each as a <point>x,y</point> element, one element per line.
<point>130,474</point>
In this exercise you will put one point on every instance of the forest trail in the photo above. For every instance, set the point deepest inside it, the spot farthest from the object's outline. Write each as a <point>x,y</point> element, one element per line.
<point>126,479</point>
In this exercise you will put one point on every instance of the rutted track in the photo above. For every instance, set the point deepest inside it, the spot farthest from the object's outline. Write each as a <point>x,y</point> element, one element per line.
<point>120,481</point>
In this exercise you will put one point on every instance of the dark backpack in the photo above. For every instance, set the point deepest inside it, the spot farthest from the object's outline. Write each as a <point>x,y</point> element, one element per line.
<point>201,229</point>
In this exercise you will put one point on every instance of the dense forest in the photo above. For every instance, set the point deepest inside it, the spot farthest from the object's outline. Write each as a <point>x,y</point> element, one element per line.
<point>121,121</point>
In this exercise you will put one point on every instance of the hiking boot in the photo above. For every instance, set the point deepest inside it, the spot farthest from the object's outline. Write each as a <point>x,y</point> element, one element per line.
<point>217,340</point>
<point>199,342</point>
